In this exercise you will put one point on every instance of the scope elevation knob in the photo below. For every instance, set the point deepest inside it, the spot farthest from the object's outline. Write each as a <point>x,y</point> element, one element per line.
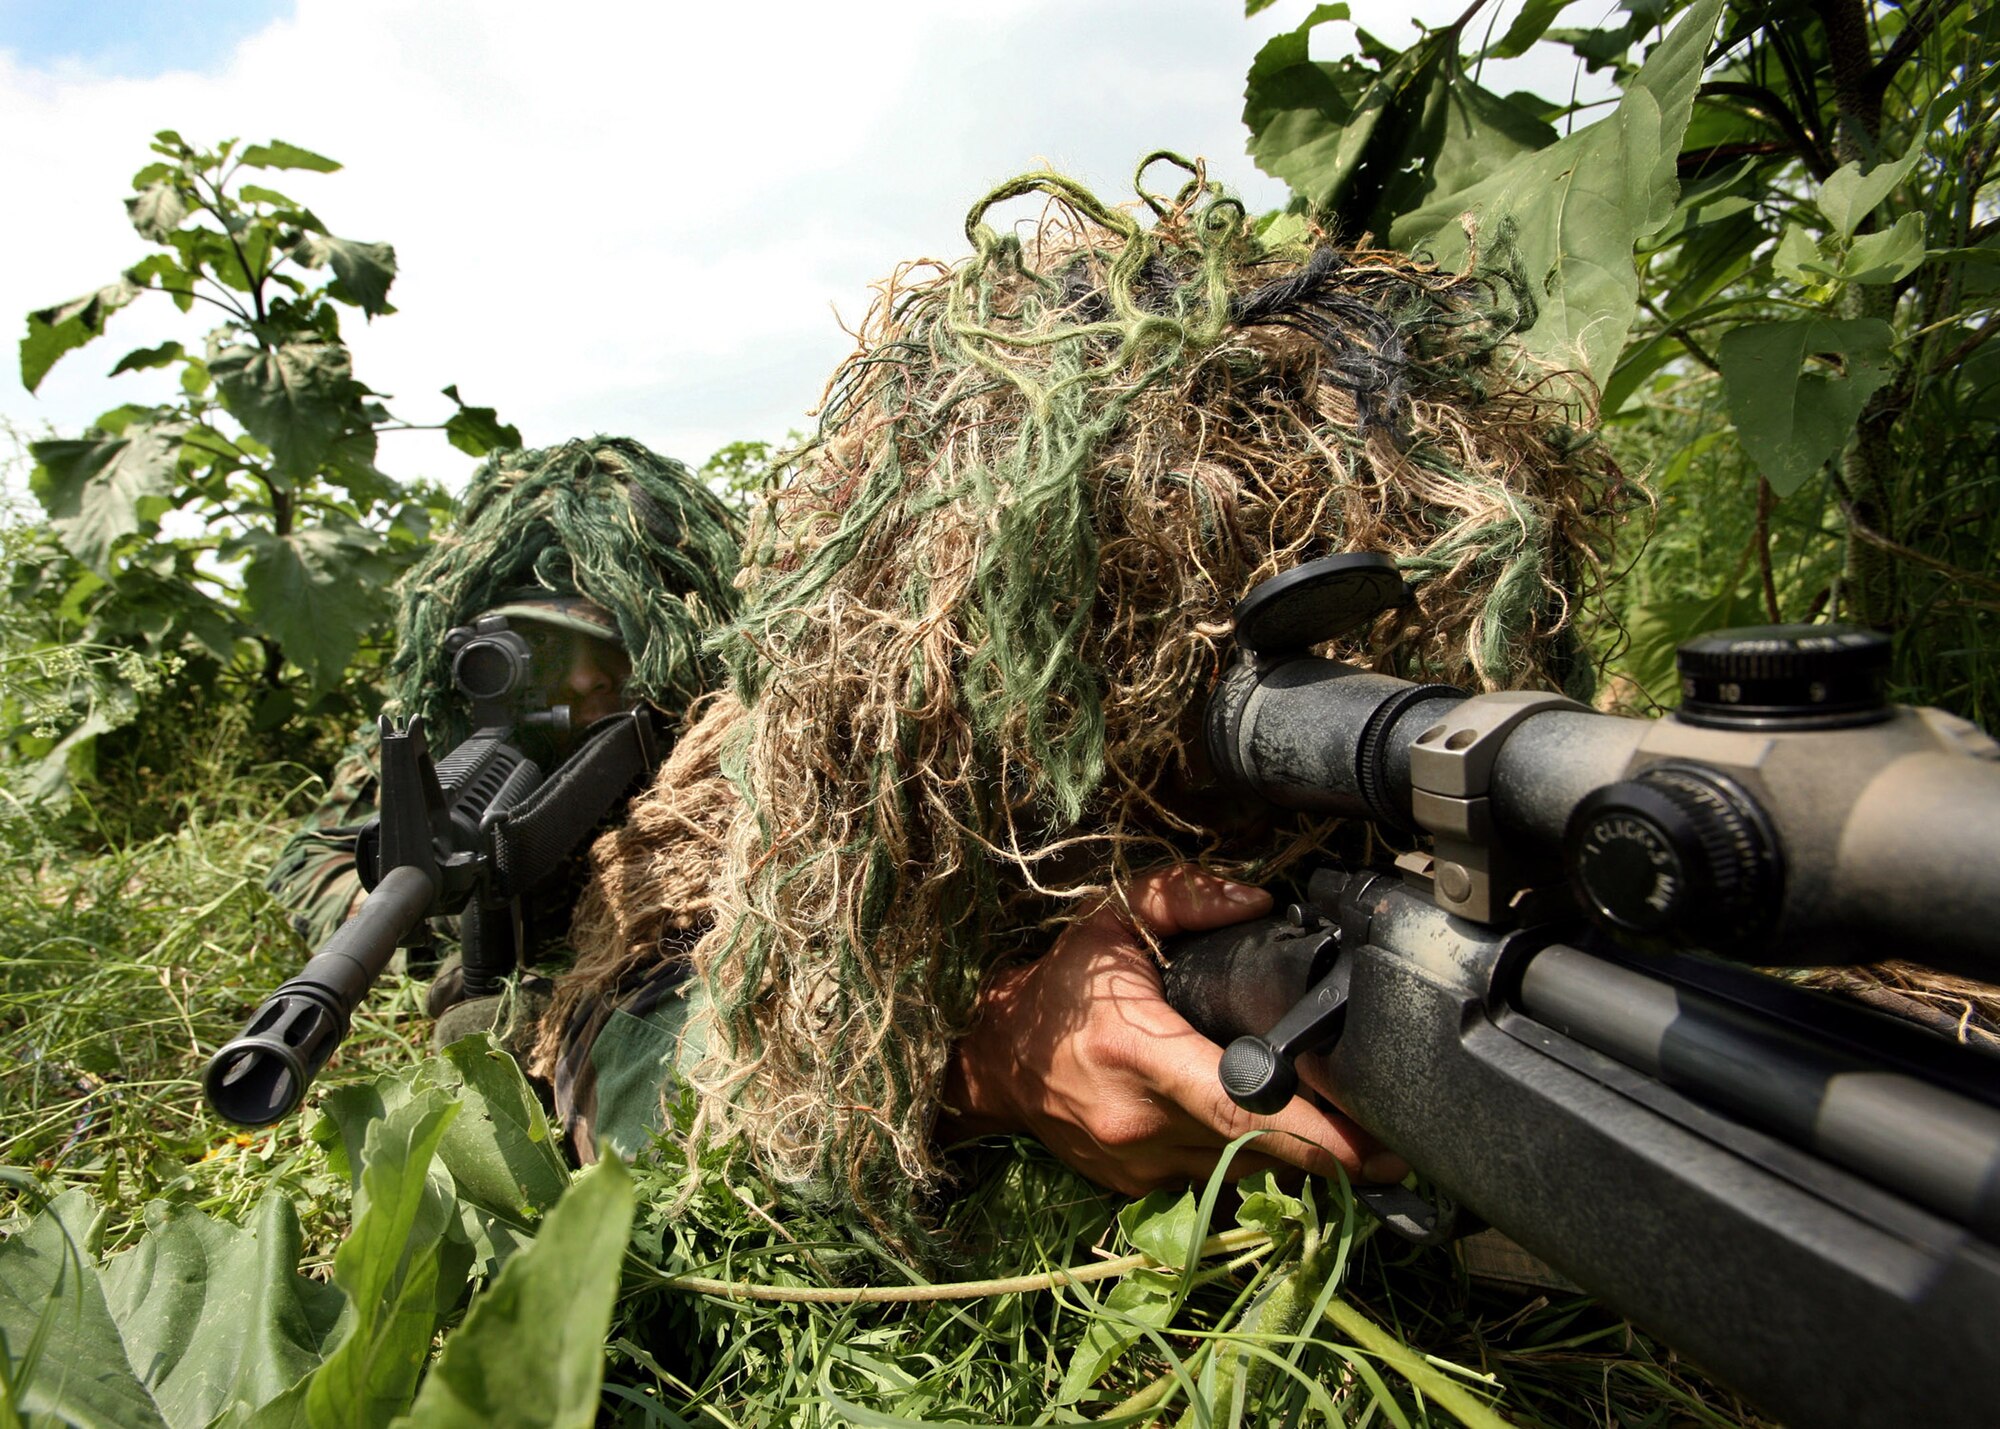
<point>1771,677</point>
<point>1676,854</point>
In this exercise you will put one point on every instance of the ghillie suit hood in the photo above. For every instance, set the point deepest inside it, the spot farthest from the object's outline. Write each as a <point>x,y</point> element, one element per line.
<point>605,519</point>
<point>984,612</point>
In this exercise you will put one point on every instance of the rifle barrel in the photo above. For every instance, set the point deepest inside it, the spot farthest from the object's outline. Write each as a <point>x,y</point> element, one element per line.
<point>262,1076</point>
<point>1925,1142</point>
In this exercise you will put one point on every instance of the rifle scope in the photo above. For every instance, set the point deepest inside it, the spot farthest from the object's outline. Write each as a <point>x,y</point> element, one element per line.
<point>1786,814</point>
<point>1603,1098</point>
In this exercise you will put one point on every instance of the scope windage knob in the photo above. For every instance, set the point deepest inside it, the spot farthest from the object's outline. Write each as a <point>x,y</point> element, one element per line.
<point>1677,854</point>
<point>1771,677</point>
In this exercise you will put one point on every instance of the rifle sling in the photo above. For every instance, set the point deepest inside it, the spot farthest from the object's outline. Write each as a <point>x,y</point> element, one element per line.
<point>531,840</point>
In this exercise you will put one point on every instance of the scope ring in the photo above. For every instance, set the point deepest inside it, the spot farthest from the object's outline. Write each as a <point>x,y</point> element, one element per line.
<point>1371,764</point>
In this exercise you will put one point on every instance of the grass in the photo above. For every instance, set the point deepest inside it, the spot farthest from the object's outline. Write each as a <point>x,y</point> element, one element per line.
<point>122,967</point>
<point>127,956</point>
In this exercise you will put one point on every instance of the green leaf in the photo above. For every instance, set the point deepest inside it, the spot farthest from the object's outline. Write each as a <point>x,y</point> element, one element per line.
<point>50,1289</point>
<point>200,1319</point>
<point>217,1315</point>
<point>1848,196</point>
<point>388,1272</point>
<point>1797,258</point>
<point>531,1351</point>
<point>98,490</point>
<point>1364,146</point>
<point>68,326</point>
<point>1288,101</point>
<point>299,399</point>
<point>316,592</point>
<point>1161,1225</point>
<point>362,271</point>
<point>500,1151</point>
<point>1889,256</point>
<point>203,251</point>
<point>1576,211</point>
<point>140,358</point>
<point>240,265</point>
<point>1256,7</point>
<point>1529,26</point>
<point>478,430</point>
<point>1791,416</point>
<point>159,270</point>
<point>1144,1299</point>
<point>257,193</point>
<point>346,1113</point>
<point>279,155</point>
<point>1598,48</point>
<point>157,210</point>
<point>1479,132</point>
<point>1266,1208</point>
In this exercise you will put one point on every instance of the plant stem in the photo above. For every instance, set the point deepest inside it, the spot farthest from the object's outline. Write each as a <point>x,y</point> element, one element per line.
<point>1226,1242</point>
<point>1766,500</point>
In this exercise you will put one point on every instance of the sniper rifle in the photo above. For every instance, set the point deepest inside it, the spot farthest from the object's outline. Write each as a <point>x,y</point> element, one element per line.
<point>1553,1011</point>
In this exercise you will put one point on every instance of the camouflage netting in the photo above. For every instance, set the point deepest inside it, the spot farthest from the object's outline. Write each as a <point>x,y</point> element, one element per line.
<point>984,612</point>
<point>606,519</point>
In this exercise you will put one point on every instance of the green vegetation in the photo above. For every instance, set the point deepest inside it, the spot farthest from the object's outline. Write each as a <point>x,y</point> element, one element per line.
<point>1801,361</point>
<point>158,1216</point>
<point>1798,365</point>
<point>121,969</point>
<point>242,529</point>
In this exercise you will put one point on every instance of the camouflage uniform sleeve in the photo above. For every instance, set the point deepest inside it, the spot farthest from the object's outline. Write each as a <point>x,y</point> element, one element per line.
<point>314,878</point>
<point>623,1056</point>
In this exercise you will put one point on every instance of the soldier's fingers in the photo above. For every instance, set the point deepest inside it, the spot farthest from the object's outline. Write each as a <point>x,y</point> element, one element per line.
<point>1185,899</point>
<point>1300,1133</point>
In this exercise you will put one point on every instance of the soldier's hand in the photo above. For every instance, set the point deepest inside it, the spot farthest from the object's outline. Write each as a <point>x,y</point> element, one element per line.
<point>1081,1050</point>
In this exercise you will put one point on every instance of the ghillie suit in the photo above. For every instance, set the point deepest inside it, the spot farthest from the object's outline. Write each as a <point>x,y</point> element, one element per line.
<point>984,613</point>
<point>605,518</point>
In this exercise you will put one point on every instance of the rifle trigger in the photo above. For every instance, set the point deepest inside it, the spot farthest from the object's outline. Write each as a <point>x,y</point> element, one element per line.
<point>1406,1213</point>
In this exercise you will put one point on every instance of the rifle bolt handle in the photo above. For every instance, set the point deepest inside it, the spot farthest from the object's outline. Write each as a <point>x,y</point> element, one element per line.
<point>1256,1077</point>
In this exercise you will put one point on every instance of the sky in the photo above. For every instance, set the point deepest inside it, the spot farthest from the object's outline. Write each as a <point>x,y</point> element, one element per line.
<point>654,219</point>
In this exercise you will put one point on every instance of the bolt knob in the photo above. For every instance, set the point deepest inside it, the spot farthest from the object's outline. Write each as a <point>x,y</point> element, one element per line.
<point>1256,1077</point>
<point>1784,677</point>
<point>1676,854</point>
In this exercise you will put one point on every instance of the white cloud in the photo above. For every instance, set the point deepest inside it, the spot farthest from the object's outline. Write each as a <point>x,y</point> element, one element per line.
<point>635,217</point>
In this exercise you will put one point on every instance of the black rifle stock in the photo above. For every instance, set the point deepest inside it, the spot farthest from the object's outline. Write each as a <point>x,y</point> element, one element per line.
<point>1800,1194</point>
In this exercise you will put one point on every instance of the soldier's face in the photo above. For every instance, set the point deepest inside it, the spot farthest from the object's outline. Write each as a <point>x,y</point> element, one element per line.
<point>585,672</point>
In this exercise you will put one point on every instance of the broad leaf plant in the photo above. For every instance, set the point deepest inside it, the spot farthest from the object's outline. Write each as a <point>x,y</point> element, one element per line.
<point>244,523</point>
<point>1780,232</point>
